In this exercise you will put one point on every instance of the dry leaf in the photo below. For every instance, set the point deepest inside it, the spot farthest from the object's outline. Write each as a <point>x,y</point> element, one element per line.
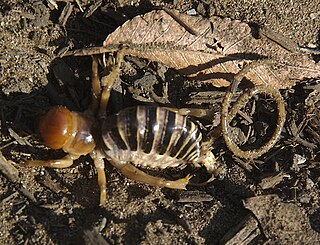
<point>211,50</point>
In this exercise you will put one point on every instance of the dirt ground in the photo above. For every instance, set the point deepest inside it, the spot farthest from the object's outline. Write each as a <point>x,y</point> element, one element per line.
<point>49,206</point>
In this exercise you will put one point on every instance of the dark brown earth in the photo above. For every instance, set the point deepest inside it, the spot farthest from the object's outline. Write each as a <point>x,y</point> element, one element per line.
<point>48,206</point>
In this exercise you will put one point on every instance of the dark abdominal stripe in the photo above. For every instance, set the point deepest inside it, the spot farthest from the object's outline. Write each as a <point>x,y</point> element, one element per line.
<point>152,130</point>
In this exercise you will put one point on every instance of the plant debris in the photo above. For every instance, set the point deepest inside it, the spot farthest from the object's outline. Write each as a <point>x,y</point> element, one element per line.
<point>211,50</point>
<point>282,223</point>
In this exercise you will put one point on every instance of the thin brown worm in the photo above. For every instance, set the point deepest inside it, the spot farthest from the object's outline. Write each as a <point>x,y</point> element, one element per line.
<point>227,116</point>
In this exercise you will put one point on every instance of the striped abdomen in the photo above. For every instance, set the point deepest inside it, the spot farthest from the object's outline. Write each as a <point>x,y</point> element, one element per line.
<point>151,136</point>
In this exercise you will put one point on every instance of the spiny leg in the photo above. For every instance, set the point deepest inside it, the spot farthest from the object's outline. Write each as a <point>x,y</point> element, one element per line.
<point>64,162</point>
<point>194,112</point>
<point>98,157</point>
<point>227,116</point>
<point>136,174</point>
<point>111,78</point>
<point>93,50</point>
<point>95,85</point>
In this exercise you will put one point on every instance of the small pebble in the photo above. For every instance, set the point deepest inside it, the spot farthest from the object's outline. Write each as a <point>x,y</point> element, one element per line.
<point>191,12</point>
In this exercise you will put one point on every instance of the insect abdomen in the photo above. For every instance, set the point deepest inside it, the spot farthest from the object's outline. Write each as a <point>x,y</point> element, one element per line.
<point>151,136</point>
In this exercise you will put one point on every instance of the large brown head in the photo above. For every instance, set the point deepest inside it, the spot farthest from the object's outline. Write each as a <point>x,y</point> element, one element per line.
<point>55,127</point>
<point>67,130</point>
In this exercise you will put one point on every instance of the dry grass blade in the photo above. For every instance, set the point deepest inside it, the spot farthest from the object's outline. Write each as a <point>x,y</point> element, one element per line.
<point>65,14</point>
<point>8,169</point>
<point>220,49</point>
<point>92,9</point>
<point>12,174</point>
<point>18,139</point>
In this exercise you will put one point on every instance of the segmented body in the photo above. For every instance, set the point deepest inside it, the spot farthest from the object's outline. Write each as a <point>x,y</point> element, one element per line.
<point>151,136</point>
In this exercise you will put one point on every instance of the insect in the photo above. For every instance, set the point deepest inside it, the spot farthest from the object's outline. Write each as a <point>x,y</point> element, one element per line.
<point>154,137</point>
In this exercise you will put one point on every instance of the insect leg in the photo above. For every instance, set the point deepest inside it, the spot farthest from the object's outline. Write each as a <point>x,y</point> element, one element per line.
<point>98,157</point>
<point>92,51</point>
<point>64,162</point>
<point>95,85</point>
<point>134,173</point>
<point>227,116</point>
<point>111,78</point>
<point>194,112</point>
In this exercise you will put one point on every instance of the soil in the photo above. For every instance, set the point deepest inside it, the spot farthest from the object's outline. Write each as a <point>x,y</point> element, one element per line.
<point>60,206</point>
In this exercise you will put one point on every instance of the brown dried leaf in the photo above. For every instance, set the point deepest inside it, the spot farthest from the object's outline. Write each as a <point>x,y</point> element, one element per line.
<point>210,49</point>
